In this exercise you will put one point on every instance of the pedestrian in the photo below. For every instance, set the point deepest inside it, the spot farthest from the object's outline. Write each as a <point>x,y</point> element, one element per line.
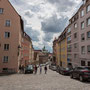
<point>45,69</point>
<point>35,69</point>
<point>40,69</point>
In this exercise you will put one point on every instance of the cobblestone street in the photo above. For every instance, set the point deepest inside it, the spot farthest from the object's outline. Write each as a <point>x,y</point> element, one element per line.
<point>50,81</point>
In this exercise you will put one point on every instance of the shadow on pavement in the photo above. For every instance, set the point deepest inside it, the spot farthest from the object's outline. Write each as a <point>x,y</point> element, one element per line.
<point>6,74</point>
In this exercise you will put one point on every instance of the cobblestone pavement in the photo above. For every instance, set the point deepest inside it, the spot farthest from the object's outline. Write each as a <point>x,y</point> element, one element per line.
<point>50,81</point>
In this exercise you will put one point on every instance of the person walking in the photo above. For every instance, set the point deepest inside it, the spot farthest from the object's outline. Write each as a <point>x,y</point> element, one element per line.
<point>40,69</point>
<point>45,69</point>
<point>35,69</point>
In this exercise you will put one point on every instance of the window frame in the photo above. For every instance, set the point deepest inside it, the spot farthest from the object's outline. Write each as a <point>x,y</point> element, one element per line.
<point>75,25</point>
<point>82,50</point>
<point>6,47</point>
<point>7,23</point>
<point>7,34</point>
<point>5,59</point>
<point>82,36</point>
<point>88,6</point>
<point>82,25</point>
<point>1,10</point>
<point>88,35</point>
<point>82,13</point>
<point>88,51</point>
<point>87,21</point>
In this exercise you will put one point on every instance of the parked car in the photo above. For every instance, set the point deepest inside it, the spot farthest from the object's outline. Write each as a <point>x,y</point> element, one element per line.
<point>58,69</point>
<point>65,71</point>
<point>28,69</point>
<point>52,67</point>
<point>82,73</point>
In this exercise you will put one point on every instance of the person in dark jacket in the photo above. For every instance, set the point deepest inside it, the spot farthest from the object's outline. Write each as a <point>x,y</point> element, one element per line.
<point>35,69</point>
<point>45,69</point>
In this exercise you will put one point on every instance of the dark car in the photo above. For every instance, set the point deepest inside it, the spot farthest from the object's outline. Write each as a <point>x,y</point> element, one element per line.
<point>28,69</point>
<point>65,71</point>
<point>81,73</point>
<point>58,69</point>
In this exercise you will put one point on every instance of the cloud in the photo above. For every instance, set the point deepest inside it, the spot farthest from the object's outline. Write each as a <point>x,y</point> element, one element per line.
<point>63,5</point>
<point>32,33</point>
<point>48,37</point>
<point>52,26</point>
<point>45,19</point>
<point>28,14</point>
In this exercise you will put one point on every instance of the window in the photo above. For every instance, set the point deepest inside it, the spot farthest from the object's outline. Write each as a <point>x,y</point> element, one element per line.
<point>82,37</point>
<point>75,45</point>
<point>69,56</point>
<point>88,21</point>
<point>88,34</point>
<point>75,35</point>
<point>75,25</point>
<point>1,10</point>
<point>5,59</point>
<point>7,24</point>
<point>88,8</point>
<point>82,63</point>
<point>69,38</point>
<point>88,63</point>
<point>69,30</point>
<point>7,34</point>
<point>88,48</point>
<point>75,55</point>
<point>82,13</point>
<point>69,48</point>
<point>6,46</point>
<point>5,69</point>
<point>82,25</point>
<point>83,50</point>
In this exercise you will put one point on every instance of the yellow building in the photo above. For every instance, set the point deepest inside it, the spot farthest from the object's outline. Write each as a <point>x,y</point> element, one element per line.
<point>62,49</point>
<point>57,54</point>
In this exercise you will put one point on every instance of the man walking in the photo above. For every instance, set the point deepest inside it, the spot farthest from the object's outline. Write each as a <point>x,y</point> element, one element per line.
<point>45,69</point>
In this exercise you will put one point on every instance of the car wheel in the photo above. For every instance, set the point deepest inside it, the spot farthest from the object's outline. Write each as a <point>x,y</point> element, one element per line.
<point>81,78</point>
<point>71,75</point>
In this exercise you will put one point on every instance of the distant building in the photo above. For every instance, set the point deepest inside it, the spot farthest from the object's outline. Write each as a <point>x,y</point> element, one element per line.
<point>26,50</point>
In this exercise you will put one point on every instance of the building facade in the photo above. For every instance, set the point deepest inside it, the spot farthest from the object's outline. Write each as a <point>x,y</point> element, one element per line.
<point>77,38</point>
<point>11,29</point>
<point>73,41</point>
<point>84,34</point>
<point>16,47</point>
<point>25,50</point>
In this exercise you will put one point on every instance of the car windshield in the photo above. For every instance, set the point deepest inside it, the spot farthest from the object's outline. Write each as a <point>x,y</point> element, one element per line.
<point>30,67</point>
<point>67,68</point>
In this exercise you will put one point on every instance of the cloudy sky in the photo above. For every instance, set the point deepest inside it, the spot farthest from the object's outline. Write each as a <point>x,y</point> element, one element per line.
<point>45,19</point>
